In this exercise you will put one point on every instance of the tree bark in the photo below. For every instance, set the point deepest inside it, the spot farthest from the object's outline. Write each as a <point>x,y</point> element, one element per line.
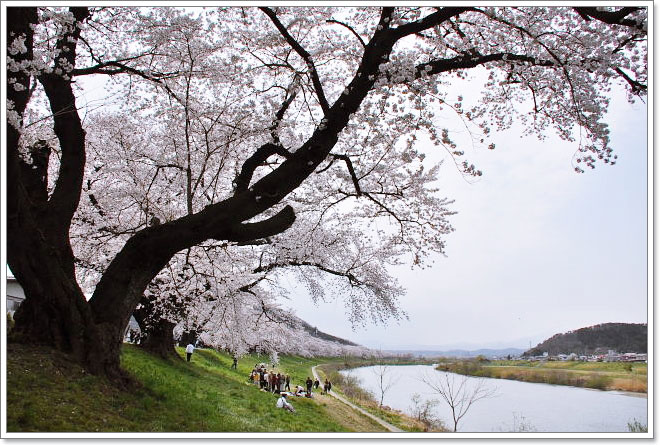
<point>157,333</point>
<point>158,338</point>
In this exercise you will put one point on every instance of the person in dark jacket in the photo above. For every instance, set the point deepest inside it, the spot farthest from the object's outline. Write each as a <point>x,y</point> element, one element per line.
<point>309,384</point>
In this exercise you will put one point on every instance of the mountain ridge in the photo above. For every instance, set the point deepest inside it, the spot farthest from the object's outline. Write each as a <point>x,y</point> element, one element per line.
<point>621,337</point>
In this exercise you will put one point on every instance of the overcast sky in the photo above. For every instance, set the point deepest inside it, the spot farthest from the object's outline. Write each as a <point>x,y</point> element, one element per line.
<point>538,249</point>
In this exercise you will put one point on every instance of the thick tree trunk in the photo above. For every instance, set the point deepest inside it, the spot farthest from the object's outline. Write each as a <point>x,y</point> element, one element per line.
<point>55,311</point>
<point>157,333</point>
<point>158,339</point>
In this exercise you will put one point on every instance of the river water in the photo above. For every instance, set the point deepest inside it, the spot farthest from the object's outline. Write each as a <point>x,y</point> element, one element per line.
<point>516,406</point>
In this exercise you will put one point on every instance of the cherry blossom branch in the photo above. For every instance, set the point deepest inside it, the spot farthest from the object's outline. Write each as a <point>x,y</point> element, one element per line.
<point>635,86</point>
<point>353,280</point>
<point>364,45</point>
<point>473,60</point>
<point>122,68</point>
<point>262,229</point>
<point>302,53</point>
<point>242,181</point>
<point>67,125</point>
<point>429,21</point>
<point>610,17</point>
<point>351,171</point>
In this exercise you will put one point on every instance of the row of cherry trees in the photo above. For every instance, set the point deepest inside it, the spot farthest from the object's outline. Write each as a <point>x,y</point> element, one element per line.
<point>236,145</point>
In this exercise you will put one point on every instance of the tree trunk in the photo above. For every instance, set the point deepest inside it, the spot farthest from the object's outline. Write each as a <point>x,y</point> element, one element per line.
<point>157,336</point>
<point>158,339</point>
<point>55,312</point>
<point>188,337</point>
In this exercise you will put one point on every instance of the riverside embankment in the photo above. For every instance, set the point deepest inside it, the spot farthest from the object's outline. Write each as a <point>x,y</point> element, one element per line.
<point>612,376</point>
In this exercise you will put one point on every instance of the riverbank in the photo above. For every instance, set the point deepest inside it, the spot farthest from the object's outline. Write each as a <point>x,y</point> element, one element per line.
<point>516,406</point>
<point>47,392</point>
<point>618,376</point>
<point>350,389</point>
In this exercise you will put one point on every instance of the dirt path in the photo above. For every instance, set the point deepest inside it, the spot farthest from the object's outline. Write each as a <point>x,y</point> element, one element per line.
<point>389,426</point>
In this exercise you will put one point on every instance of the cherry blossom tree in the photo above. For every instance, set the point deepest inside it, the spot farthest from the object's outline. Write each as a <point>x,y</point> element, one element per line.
<point>235,124</point>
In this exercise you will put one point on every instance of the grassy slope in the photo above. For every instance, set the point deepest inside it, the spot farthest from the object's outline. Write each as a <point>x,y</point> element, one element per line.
<point>46,392</point>
<point>600,375</point>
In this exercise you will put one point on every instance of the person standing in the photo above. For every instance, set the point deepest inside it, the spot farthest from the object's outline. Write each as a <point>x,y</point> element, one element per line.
<point>189,351</point>
<point>233,365</point>
<point>276,390</point>
<point>309,385</point>
<point>316,383</point>
<point>288,382</point>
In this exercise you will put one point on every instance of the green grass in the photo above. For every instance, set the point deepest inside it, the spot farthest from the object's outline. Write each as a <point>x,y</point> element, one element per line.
<point>47,392</point>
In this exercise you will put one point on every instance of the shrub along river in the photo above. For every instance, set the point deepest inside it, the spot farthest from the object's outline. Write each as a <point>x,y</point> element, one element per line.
<point>516,406</point>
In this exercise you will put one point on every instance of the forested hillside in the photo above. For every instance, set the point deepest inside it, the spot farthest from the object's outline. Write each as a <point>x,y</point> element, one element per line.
<point>621,337</point>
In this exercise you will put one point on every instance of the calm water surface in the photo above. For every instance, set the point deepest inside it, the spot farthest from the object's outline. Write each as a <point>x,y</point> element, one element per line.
<point>535,406</point>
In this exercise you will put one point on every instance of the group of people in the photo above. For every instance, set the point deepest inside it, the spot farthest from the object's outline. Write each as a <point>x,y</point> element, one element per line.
<point>326,385</point>
<point>278,383</point>
<point>270,381</point>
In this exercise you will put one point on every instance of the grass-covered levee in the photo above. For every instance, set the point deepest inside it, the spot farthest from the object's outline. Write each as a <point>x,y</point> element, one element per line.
<point>49,392</point>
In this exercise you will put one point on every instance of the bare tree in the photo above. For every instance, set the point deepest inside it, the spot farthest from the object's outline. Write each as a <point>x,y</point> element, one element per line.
<point>459,392</point>
<point>423,410</point>
<point>385,380</point>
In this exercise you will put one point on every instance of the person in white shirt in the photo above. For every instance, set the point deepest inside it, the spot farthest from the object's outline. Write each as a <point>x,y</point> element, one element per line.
<point>283,403</point>
<point>189,351</point>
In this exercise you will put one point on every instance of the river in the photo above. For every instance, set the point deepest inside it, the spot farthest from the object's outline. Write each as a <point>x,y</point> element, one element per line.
<point>516,406</point>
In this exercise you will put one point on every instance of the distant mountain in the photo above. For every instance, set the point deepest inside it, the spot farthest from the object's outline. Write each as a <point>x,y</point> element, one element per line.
<point>620,337</point>
<point>488,353</point>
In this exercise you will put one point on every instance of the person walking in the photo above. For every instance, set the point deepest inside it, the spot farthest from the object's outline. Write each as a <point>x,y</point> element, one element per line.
<point>316,383</point>
<point>189,351</point>
<point>233,365</point>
